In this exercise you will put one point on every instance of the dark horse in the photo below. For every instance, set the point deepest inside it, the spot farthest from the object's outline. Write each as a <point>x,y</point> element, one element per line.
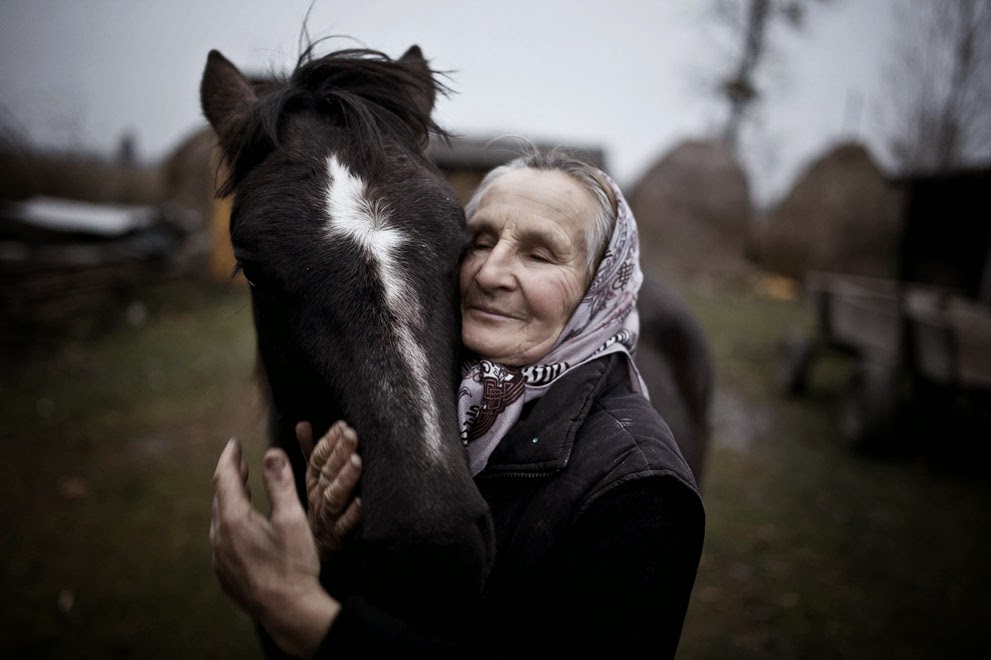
<point>676,363</point>
<point>351,241</point>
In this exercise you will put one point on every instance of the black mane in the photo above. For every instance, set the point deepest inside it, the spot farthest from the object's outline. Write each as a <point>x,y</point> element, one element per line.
<point>364,90</point>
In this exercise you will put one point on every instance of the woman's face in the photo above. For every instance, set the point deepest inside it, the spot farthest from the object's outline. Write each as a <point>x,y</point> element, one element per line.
<point>525,271</point>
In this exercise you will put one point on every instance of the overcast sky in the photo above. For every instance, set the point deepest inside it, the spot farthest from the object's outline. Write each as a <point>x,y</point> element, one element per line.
<point>629,76</point>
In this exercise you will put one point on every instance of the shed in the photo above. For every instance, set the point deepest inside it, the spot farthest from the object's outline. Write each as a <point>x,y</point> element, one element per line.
<point>466,160</point>
<point>946,231</point>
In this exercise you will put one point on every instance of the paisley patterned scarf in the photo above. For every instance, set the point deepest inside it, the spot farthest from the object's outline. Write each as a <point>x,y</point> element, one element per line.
<point>492,395</point>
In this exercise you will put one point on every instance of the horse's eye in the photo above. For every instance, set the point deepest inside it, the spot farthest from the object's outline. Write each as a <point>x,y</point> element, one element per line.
<point>247,271</point>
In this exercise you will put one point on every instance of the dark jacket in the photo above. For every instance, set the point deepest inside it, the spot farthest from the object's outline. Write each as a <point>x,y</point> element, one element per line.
<point>599,531</point>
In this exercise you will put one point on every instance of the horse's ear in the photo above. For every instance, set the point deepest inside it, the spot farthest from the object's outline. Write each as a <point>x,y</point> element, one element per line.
<point>225,95</point>
<point>424,95</point>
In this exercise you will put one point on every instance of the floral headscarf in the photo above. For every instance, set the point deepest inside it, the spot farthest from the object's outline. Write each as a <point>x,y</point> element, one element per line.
<point>492,395</point>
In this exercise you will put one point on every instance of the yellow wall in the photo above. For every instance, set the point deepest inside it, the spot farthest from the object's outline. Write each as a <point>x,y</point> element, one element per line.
<point>221,253</point>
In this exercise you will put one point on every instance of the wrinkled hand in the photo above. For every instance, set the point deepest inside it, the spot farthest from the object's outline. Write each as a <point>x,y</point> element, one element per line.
<point>269,566</point>
<point>332,472</point>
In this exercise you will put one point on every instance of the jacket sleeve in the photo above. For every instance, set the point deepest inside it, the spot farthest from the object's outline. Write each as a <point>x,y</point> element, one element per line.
<point>363,630</point>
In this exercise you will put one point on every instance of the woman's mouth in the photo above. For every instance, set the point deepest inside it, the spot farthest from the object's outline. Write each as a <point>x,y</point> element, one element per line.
<point>489,311</point>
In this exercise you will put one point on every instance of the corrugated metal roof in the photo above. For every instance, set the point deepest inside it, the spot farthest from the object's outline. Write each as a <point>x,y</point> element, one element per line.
<point>482,154</point>
<point>75,216</point>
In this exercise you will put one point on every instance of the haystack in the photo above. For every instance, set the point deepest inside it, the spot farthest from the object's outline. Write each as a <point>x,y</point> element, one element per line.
<point>842,215</point>
<point>693,209</point>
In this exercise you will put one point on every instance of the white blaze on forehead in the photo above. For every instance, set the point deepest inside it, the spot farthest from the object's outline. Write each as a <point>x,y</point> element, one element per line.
<point>353,216</point>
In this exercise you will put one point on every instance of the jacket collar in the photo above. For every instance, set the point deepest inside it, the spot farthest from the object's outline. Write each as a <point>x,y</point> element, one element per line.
<point>540,443</point>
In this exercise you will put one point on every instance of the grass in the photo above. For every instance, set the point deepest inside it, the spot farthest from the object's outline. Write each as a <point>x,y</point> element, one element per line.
<point>815,552</point>
<point>109,440</point>
<point>105,462</point>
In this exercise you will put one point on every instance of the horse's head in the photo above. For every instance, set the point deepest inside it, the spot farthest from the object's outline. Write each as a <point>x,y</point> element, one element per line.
<point>351,239</point>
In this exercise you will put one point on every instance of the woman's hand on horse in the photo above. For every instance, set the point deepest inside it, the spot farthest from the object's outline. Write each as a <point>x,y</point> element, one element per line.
<point>269,565</point>
<point>332,472</point>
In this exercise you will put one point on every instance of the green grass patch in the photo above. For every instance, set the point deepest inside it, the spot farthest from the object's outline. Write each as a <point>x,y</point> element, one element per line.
<point>813,551</point>
<point>110,438</point>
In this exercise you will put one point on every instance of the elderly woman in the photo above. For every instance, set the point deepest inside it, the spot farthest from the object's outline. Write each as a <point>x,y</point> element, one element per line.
<point>599,521</point>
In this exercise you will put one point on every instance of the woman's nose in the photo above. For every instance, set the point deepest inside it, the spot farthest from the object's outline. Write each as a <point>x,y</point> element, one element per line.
<point>496,271</point>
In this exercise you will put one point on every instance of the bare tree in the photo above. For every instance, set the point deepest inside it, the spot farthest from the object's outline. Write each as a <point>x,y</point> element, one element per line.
<point>750,19</point>
<point>940,77</point>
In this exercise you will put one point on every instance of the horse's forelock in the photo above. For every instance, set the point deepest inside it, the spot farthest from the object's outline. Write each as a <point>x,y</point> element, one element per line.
<point>392,84</point>
<point>371,94</point>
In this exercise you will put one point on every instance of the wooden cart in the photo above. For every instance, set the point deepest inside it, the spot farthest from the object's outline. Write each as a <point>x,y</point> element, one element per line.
<point>921,342</point>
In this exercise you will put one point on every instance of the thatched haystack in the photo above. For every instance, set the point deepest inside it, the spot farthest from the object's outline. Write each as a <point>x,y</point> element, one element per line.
<point>693,208</point>
<point>842,215</point>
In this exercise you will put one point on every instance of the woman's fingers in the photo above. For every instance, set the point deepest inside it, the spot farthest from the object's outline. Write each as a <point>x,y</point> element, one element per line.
<point>304,436</point>
<point>329,456</point>
<point>349,519</point>
<point>331,531</point>
<point>344,447</point>
<point>316,456</point>
<point>230,479</point>
<point>339,488</point>
<point>333,471</point>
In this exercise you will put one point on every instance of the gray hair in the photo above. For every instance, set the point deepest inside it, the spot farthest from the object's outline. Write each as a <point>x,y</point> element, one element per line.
<point>589,176</point>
